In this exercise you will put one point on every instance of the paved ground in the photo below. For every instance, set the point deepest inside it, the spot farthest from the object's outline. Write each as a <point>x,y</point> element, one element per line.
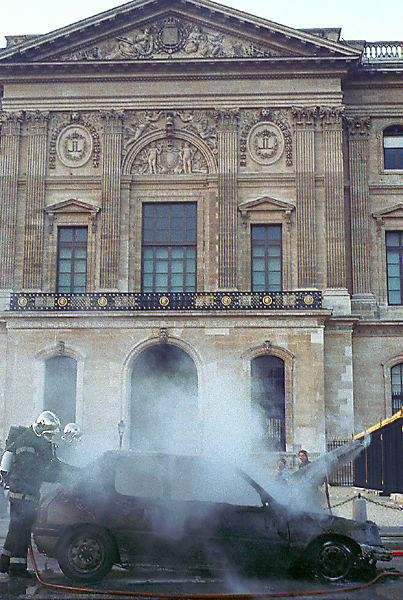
<point>387,514</point>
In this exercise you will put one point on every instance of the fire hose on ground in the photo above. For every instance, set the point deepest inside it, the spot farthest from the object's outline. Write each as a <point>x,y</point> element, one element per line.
<point>227,596</point>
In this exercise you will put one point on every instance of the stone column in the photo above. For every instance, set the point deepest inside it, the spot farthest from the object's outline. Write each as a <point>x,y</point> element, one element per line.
<point>112,151</point>
<point>9,162</point>
<point>358,137</point>
<point>306,200</point>
<point>227,199</point>
<point>35,200</point>
<point>331,118</point>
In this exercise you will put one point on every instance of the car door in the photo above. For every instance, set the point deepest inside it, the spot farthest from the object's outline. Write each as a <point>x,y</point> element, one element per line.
<point>138,505</point>
<point>223,515</point>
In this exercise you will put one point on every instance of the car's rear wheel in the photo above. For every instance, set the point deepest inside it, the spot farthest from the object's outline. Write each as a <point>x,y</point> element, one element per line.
<point>332,560</point>
<point>86,554</point>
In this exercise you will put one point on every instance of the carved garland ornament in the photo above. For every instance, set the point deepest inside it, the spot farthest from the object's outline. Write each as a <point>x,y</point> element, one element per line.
<point>265,136</point>
<point>74,143</point>
<point>265,143</point>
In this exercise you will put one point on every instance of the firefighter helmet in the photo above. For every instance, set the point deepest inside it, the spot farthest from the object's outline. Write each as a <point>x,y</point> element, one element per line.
<point>46,425</point>
<point>71,432</point>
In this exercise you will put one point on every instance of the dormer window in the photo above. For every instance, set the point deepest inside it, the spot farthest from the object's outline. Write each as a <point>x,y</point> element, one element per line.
<point>393,147</point>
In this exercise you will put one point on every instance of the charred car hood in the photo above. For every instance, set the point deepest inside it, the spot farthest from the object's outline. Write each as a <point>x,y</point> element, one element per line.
<point>305,526</point>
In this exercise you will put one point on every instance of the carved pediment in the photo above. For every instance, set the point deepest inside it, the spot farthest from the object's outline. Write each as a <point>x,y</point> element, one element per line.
<point>173,37</point>
<point>71,206</point>
<point>165,29</point>
<point>393,212</point>
<point>265,203</point>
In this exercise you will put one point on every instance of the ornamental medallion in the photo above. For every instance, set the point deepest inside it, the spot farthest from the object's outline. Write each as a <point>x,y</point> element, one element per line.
<point>265,143</point>
<point>74,146</point>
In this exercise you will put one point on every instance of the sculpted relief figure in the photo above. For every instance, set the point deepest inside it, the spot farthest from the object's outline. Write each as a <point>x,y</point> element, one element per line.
<point>137,128</point>
<point>171,157</point>
<point>204,44</point>
<point>152,156</point>
<point>186,156</point>
<point>194,40</point>
<point>141,46</point>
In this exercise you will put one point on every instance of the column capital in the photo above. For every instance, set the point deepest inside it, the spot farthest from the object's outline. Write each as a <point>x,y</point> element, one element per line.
<point>305,116</point>
<point>358,127</point>
<point>113,120</point>
<point>10,122</point>
<point>331,116</point>
<point>37,121</point>
<point>227,119</point>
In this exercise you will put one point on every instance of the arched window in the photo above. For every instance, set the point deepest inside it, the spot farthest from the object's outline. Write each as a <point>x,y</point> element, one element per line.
<point>396,376</point>
<point>60,388</point>
<point>268,395</point>
<point>393,147</point>
<point>164,400</point>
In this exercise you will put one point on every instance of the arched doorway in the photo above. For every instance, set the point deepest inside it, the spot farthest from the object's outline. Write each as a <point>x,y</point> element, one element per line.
<point>164,401</point>
<point>268,397</point>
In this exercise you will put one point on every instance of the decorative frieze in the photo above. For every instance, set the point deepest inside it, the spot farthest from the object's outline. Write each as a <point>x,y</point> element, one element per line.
<point>264,135</point>
<point>9,164</point>
<point>358,138</point>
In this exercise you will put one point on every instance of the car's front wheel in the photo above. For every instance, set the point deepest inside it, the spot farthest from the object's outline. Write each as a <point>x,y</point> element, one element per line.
<point>86,554</point>
<point>332,560</point>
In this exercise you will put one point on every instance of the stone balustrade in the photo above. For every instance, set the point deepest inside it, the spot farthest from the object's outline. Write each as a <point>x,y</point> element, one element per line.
<point>383,51</point>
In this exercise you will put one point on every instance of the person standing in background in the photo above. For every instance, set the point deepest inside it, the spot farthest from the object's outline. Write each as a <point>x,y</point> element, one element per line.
<point>303,457</point>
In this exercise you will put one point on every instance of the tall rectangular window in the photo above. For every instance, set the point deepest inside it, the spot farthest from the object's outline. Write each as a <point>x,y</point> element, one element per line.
<point>394,266</point>
<point>393,147</point>
<point>396,374</point>
<point>266,258</point>
<point>169,247</point>
<point>72,259</point>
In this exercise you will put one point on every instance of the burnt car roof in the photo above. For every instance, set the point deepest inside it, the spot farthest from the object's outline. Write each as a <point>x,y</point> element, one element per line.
<point>100,474</point>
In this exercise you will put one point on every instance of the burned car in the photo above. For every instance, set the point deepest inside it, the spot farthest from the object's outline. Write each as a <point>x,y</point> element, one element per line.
<point>134,508</point>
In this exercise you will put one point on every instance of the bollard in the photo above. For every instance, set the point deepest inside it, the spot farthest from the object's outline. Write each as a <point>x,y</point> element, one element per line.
<point>359,509</point>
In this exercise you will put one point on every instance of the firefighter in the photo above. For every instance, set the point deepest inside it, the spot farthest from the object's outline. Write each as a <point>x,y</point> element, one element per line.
<point>28,461</point>
<point>71,439</point>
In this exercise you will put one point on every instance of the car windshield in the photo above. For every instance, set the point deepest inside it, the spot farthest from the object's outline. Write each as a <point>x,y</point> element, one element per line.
<point>183,478</point>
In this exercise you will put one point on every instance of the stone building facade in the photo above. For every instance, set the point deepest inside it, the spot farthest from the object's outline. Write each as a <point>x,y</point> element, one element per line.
<point>201,229</point>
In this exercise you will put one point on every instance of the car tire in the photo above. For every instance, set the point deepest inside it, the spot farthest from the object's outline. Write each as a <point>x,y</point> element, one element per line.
<point>86,553</point>
<point>332,560</point>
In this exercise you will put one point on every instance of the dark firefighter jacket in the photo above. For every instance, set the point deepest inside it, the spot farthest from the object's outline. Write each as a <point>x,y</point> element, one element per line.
<point>33,464</point>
